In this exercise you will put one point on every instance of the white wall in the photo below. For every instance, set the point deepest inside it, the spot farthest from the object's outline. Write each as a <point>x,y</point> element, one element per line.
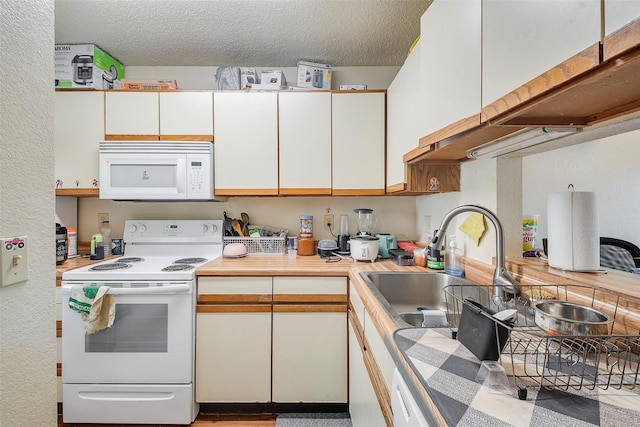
<point>610,167</point>
<point>396,215</point>
<point>203,78</point>
<point>27,309</point>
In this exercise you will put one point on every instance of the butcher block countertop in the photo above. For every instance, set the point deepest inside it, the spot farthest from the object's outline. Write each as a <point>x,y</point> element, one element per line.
<point>283,265</point>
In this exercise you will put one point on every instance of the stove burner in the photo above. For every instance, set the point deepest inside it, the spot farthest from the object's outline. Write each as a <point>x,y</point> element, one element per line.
<point>189,260</point>
<point>178,267</point>
<point>111,266</point>
<point>130,259</point>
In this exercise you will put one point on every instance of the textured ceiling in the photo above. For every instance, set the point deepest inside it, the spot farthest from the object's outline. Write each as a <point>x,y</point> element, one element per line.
<point>266,33</point>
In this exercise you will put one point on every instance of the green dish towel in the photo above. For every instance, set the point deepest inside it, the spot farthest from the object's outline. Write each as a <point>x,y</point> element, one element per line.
<point>97,308</point>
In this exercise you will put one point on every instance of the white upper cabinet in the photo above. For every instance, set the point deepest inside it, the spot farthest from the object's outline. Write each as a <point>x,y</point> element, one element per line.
<point>305,143</point>
<point>405,119</point>
<point>523,39</point>
<point>78,129</point>
<point>159,115</point>
<point>358,143</point>
<point>246,143</point>
<point>132,114</point>
<point>450,62</point>
<point>618,13</point>
<point>186,114</point>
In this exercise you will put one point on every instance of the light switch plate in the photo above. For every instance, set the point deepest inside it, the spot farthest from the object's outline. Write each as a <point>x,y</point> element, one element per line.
<point>13,259</point>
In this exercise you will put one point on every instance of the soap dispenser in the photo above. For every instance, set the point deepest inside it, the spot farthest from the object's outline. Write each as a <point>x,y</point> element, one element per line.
<point>453,260</point>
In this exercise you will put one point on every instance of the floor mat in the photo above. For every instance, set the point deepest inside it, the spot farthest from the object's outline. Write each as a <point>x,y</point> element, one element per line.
<point>313,420</point>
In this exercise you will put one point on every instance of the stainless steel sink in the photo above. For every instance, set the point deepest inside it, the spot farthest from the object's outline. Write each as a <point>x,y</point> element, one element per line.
<point>403,294</point>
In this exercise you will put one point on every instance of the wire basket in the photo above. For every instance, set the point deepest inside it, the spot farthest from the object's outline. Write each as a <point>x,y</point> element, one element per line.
<point>560,362</point>
<point>272,241</point>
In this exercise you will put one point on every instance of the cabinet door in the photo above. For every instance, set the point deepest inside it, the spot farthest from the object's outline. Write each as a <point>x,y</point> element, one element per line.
<point>186,116</point>
<point>233,339</point>
<point>305,143</point>
<point>358,143</point>
<point>309,340</point>
<point>233,354</point>
<point>246,143</point>
<point>78,129</point>
<point>523,39</point>
<point>363,403</point>
<point>404,119</point>
<point>450,57</point>
<point>132,115</point>
<point>309,354</point>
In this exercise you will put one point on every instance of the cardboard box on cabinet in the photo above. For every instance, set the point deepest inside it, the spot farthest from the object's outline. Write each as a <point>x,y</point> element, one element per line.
<point>86,66</point>
<point>313,75</point>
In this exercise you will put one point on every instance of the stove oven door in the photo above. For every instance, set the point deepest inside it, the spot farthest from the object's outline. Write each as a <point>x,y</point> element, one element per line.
<point>150,342</point>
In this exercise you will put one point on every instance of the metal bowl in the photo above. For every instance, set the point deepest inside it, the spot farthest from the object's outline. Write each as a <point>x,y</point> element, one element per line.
<point>567,318</point>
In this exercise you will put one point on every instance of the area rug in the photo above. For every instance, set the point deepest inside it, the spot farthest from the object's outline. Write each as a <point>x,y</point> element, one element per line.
<point>313,420</point>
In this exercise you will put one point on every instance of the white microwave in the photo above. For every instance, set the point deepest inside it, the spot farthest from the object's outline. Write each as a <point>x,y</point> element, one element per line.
<point>156,170</point>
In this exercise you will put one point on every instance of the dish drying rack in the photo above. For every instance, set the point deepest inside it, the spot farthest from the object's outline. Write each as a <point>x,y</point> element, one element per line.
<point>560,362</point>
<point>272,241</point>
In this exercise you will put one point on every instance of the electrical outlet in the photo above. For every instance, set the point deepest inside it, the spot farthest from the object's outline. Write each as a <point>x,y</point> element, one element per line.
<point>328,222</point>
<point>102,217</point>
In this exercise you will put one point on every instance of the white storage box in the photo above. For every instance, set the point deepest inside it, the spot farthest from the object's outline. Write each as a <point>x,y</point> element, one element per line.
<point>313,75</point>
<point>271,79</point>
<point>353,87</point>
<point>86,66</point>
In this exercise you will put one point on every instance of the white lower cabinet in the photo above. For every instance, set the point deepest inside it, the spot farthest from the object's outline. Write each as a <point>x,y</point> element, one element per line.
<point>363,402</point>
<point>309,356</point>
<point>271,339</point>
<point>310,339</point>
<point>233,339</point>
<point>369,399</point>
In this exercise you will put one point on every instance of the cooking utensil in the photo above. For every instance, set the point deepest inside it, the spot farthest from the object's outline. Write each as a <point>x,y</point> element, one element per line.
<point>245,221</point>
<point>567,318</point>
<point>236,227</point>
<point>228,227</point>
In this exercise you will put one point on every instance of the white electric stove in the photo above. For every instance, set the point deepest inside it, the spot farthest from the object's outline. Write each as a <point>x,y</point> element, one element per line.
<point>141,369</point>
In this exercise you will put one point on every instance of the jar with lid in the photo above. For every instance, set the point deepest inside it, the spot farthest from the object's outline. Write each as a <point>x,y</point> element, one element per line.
<point>306,226</point>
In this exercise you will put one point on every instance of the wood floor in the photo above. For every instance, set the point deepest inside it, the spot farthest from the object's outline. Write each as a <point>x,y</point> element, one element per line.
<point>203,420</point>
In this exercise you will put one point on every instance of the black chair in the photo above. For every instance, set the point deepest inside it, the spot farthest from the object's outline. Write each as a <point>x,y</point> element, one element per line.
<point>619,254</point>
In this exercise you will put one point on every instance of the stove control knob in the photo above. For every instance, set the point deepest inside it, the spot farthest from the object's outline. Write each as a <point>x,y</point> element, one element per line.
<point>142,228</point>
<point>205,228</point>
<point>213,228</point>
<point>133,228</point>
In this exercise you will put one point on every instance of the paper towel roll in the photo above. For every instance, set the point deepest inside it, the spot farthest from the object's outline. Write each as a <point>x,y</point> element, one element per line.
<point>573,231</point>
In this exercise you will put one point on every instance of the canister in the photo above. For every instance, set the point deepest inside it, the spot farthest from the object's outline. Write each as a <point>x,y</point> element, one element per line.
<point>306,226</point>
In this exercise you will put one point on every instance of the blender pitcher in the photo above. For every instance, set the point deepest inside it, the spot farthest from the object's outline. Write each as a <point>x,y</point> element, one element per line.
<point>344,236</point>
<point>366,221</point>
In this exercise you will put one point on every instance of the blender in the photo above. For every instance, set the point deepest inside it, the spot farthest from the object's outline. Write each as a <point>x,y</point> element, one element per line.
<point>344,236</point>
<point>366,221</point>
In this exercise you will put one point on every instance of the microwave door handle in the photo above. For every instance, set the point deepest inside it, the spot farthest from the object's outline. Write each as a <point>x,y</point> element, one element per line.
<point>181,170</point>
<point>152,290</point>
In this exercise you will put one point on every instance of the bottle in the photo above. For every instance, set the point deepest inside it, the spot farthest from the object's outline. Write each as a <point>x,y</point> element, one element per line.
<point>434,256</point>
<point>453,261</point>
<point>105,230</point>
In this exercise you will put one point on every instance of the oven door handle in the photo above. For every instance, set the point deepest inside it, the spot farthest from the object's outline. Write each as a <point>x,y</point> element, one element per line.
<point>152,290</point>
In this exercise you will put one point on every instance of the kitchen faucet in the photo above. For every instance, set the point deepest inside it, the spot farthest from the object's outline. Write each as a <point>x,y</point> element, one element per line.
<point>504,286</point>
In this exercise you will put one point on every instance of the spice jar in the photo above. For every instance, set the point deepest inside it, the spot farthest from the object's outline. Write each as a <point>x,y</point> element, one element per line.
<point>306,226</point>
